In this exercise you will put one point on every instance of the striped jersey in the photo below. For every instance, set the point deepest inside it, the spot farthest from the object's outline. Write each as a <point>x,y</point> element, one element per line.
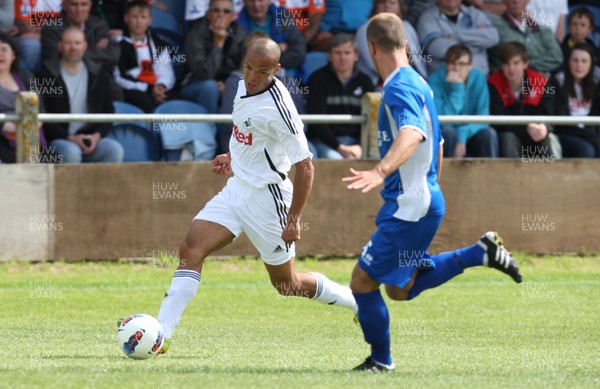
<point>268,135</point>
<point>407,104</point>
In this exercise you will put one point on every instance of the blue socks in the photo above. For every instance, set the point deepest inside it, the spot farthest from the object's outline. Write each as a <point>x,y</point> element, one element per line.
<point>447,266</point>
<point>375,322</point>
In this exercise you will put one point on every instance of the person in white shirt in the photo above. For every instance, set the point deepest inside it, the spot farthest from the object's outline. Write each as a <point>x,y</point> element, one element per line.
<point>259,200</point>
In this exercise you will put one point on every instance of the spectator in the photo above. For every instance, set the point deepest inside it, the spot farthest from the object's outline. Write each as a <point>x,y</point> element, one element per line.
<point>581,26</point>
<point>578,95</point>
<point>102,49</point>
<point>145,72</point>
<point>416,55</point>
<point>12,81</point>
<point>551,14</point>
<point>196,9</point>
<point>16,21</point>
<point>517,90</point>
<point>260,15</point>
<point>450,23</point>
<point>458,89</point>
<point>111,11</point>
<point>307,15</point>
<point>337,89</point>
<point>341,16</point>
<point>85,88</point>
<point>415,9</point>
<point>516,25</point>
<point>213,49</point>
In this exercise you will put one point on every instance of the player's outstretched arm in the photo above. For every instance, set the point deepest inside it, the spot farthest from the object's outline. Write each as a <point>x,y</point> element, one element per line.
<point>221,164</point>
<point>402,149</point>
<point>303,181</point>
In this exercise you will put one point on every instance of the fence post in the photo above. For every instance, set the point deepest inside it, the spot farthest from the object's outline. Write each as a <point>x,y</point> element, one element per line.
<point>28,135</point>
<point>369,140</point>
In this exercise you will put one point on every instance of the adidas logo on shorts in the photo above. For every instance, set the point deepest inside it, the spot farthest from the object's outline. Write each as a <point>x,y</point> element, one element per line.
<point>278,249</point>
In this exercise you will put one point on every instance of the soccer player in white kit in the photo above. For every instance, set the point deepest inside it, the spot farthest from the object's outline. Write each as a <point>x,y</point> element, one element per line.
<point>259,200</point>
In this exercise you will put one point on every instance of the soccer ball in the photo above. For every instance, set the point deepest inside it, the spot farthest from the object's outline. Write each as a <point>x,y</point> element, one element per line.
<point>140,336</point>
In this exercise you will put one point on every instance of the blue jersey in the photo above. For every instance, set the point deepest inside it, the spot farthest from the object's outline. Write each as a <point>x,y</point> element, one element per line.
<point>407,104</point>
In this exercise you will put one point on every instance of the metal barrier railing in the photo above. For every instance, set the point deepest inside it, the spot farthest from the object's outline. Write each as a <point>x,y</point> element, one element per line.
<point>27,117</point>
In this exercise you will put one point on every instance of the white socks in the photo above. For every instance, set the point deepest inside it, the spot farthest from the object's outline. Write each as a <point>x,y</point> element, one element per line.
<point>331,293</point>
<point>183,288</point>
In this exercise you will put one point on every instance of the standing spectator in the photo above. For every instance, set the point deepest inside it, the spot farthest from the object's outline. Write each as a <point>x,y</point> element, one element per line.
<point>102,49</point>
<point>337,89</point>
<point>307,15</point>
<point>416,56</point>
<point>341,16</point>
<point>12,81</point>
<point>578,95</point>
<point>450,23</point>
<point>85,88</point>
<point>260,15</point>
<point>581,26</point>
<point>458,89</point>
<point>517,90</point>
<point>213,49</point>
<point>515,25</point>
<point>145,71</point>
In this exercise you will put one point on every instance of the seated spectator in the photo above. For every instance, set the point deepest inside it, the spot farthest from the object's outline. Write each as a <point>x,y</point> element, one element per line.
<point>416,55</point>
<point>450,23</point>
<point>458,89</point>
<point>307,15</point>
<point>196,9</point>
<point>581,26</point>
<point>145,71</point>
<point>415,9</point>
<point>213,49</point>
<point>85,88</point>
<point>12,81</point>
<point>517,90</point>
<point>578,94</point>
<point>337,89</point>
<point>111,11</point>
<point>516,25</point>
<point>102,49</point>
<point>341,16</point>
<point>16,21</point>
<point>261,15</point>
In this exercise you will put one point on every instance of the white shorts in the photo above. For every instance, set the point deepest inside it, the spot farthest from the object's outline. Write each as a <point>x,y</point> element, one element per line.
<point>260,213</point>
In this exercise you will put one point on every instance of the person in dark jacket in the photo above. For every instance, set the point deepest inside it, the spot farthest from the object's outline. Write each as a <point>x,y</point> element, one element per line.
<point>80,86</point>
<point>578,94</point>
<point>337,88</point>
<point>213,49</point>
<point>102,49</point>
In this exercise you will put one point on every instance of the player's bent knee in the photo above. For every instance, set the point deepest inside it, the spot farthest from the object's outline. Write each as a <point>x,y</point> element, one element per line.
<point>190,257</point>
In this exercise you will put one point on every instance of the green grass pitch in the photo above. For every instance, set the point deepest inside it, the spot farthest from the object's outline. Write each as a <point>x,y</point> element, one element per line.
<point>480,330</point>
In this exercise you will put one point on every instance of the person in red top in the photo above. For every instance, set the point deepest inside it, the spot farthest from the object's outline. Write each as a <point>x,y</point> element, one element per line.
<point>517,90</point>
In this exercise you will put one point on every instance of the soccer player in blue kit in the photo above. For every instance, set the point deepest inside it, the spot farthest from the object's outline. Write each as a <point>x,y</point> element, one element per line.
<point>411,149</point>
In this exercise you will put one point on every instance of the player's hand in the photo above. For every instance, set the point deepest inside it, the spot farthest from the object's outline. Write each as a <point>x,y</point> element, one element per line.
<point>221,164</point>
<point>460,150</point>
<point>365,180</point>
<point>291,232</point>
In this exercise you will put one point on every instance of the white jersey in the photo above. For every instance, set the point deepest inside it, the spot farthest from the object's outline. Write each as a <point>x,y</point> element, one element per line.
<point>268,135</point>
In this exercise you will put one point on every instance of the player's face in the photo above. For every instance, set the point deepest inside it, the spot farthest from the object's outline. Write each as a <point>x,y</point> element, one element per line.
<point>580,27</point>
<point>138,20</point>
<point>72,46</point>
<point>78,11</point>
<point>514,69</point>
<point>580,64</point>
<point>343,57</point>
<point>258,72</point>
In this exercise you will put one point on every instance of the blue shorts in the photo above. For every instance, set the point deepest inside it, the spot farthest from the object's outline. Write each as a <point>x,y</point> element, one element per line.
<point>399,248</point>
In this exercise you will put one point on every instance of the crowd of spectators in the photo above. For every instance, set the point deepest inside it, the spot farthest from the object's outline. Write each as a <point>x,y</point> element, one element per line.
<point>481,57</point>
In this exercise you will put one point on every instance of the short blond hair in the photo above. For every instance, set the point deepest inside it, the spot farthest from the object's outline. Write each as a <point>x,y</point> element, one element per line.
<point>387,32</point>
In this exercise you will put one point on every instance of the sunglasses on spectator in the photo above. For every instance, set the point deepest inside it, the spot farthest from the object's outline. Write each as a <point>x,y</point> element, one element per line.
<point>218,10</point>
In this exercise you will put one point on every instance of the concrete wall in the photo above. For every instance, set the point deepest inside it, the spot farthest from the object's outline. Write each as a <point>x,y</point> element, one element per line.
<point>144,210</point>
